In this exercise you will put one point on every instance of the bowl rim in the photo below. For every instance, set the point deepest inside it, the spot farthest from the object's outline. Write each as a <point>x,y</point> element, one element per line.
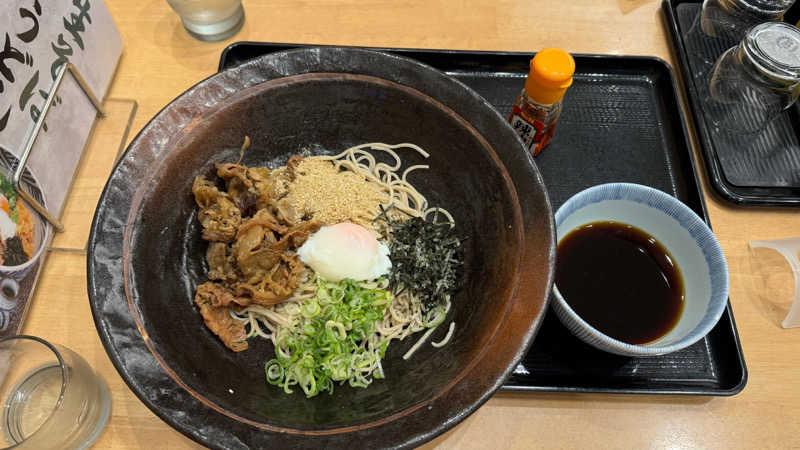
<point>530,301</point>
<point>647,196</point>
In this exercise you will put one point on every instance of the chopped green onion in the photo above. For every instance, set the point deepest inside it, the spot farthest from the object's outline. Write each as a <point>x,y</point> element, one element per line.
<point>331,341</point>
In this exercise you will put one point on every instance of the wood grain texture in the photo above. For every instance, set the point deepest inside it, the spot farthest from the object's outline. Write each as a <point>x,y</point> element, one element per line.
<point>160,61</point>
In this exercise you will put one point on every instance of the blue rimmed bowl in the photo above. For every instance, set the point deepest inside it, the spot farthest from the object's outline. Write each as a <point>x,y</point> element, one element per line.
<point>687,238</point>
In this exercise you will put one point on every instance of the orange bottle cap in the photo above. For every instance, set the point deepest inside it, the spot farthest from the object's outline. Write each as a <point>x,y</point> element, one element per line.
<point>550,75</point>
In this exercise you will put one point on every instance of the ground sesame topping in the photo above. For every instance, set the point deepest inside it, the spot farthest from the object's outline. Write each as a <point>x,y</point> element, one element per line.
<point>322,192</point>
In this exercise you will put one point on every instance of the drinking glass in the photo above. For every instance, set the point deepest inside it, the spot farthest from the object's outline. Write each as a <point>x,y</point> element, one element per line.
<point>210,20</point>
<point>51,398</point>
<point>756,81</point>
<point>721,24</point>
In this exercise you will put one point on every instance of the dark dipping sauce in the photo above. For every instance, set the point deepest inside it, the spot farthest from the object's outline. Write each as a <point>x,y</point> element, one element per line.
<point>620,280</point>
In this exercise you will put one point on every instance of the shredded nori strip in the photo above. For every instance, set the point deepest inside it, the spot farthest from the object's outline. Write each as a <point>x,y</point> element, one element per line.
<point>14,254</point>
<point>427,258</point>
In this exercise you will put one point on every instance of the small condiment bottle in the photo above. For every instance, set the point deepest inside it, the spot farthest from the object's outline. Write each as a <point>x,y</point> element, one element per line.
<point>538,107</point>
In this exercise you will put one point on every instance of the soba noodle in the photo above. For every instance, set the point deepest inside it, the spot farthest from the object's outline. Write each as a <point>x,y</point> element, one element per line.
<point>405,314</point>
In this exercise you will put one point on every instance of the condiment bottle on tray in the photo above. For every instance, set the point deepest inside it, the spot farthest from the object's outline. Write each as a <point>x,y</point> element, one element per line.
<point>538,107</point>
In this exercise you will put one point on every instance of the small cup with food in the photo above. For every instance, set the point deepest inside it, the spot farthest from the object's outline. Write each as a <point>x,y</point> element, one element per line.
<point>23,238</point>
<point>23,234</point>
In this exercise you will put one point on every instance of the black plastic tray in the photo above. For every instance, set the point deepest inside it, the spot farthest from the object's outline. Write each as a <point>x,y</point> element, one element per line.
<point>761,169</point>
<point>621,122</point>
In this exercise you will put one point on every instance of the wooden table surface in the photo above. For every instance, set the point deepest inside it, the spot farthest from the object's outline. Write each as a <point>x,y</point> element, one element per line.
<point>160,61</point>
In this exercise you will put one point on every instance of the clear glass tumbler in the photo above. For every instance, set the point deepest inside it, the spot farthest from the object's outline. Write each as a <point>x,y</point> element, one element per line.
<point>210,20</point>
<point>51,398</point>
<point>757,80</point>
<point>722,24</point>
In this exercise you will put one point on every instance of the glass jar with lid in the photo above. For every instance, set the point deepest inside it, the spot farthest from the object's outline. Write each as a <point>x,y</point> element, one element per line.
<point>754,82</point>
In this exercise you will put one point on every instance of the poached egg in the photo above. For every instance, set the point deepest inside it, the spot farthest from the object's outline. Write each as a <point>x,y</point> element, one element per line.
<point>345,250</point>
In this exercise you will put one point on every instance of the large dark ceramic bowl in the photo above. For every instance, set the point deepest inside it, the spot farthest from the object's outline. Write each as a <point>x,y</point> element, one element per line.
<point>146,254</point>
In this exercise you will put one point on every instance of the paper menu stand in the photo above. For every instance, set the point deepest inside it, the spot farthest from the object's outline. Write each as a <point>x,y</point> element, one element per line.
<point>57,60</point>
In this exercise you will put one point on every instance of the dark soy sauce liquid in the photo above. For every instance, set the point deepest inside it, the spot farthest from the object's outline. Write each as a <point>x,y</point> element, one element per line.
<point>620,280</point>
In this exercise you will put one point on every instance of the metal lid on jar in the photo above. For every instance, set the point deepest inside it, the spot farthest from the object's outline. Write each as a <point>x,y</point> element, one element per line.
<point>774,48</point>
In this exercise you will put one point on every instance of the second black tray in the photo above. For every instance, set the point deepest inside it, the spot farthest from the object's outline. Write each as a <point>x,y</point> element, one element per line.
<point>760,169</point>
<point>621,122</point>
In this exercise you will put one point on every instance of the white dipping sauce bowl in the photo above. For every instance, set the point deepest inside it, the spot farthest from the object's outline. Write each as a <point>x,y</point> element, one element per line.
<point>688,239</point>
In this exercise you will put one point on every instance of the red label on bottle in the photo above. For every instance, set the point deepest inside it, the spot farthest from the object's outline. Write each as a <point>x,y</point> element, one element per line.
<point>530,131</point>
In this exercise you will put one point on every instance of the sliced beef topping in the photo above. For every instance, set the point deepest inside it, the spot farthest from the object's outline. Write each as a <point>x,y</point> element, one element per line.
<point>218,215</point>
<point>276,285</point>
<point>212,300</point>
<point>220,262</point>
<point>254,235</point>
<point>291,166</point>
<point>250,187</point>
